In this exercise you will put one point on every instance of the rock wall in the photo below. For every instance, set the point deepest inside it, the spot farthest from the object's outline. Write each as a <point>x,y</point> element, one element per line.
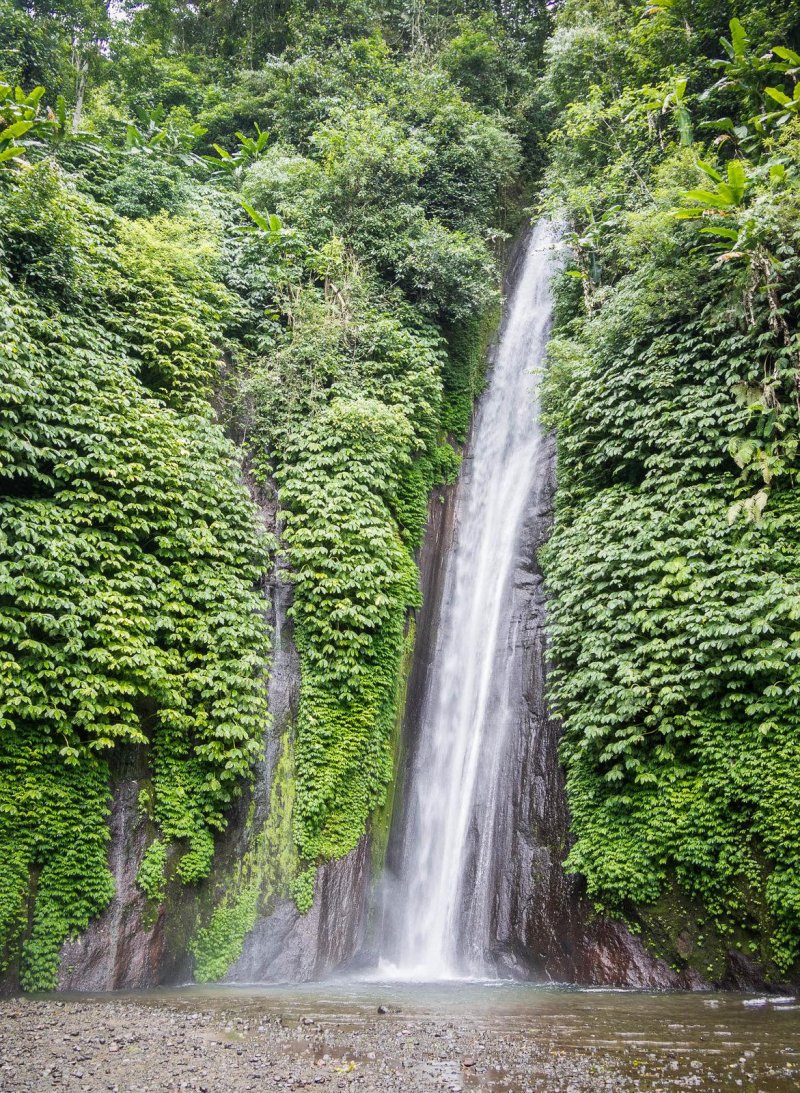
<point>133,945</point>
<point>543,926</point>
<point>125,946</point>
<point>289,947</point>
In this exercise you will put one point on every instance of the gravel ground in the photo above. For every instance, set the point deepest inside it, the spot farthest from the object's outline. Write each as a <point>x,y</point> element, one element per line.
<point>125,1045</point>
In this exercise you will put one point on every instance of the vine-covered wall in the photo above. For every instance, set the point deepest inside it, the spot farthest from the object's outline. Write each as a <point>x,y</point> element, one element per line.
<point>672,385</point>
<point>268,254</point>
<point>129,555</point>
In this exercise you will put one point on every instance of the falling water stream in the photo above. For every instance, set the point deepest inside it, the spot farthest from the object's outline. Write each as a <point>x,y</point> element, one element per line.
<point>438,924</point>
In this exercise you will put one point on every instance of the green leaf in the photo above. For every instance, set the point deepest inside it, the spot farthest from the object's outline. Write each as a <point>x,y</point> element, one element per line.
<point>18,129</point>
<point>725,233</point>
<point>712,172</point>
<point>710,199</point>
<point>737,180</point>
<point>777,95</point>
<point>786,54</point>
<point>271,223</point>
<point>739,39</point>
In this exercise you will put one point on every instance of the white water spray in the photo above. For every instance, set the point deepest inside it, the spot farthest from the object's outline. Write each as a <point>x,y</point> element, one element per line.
<point>438,924</point>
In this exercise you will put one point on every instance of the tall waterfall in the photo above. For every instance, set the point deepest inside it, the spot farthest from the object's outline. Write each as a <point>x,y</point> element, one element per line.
<point>440,918</point>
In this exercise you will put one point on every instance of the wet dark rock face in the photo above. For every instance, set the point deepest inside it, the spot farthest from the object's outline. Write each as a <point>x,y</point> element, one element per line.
<point>543,928</point>
<point>123,947</point>
<point>290,947</point>
<point>542,925</point>
<point>285,945</point>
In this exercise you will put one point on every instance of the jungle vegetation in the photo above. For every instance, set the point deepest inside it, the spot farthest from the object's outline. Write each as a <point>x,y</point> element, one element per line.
<point>674,388</point>
<point>249,254</point>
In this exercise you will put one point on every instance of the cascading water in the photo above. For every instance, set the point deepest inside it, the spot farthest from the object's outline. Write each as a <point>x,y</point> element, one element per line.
<point>440,919</point>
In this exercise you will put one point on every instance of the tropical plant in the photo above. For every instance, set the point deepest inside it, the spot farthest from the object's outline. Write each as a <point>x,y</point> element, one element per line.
<point>154,133</point>
<point>21,125</point>
<point>234,164</point>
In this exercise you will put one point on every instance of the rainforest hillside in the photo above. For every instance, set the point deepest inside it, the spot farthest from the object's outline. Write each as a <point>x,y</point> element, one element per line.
<point>250,261</point>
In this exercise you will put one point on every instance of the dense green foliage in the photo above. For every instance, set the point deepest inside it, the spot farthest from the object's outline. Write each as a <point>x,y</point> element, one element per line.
<point>230,235</point>
<point>129,552</point>
<point>350,413</point>
<point>259,243</point>
<point>673,384</point>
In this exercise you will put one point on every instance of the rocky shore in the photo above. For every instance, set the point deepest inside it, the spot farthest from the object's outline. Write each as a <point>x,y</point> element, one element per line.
<point>140,1045</point>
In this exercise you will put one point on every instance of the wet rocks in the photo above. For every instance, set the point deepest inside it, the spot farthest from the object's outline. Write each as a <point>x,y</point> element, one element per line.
<point>236,1045</point>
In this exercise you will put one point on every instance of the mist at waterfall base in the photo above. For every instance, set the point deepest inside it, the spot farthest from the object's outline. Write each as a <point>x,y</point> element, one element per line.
<point>438,910</point>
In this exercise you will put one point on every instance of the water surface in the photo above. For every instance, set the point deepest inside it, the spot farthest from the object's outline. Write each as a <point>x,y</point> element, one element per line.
<point>520,1033</point>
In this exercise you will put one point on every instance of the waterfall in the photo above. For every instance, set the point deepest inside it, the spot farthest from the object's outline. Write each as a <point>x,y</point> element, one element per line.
<point>440,914</point>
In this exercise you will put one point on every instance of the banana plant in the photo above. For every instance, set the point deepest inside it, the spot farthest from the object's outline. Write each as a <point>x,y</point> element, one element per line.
<point>739,137</point>
<point>235,164</point>
<point>719,207</point>
<point>269,223</point>
<point>671,101</point>
<point>788,61</point>
<point>269,228</point>
<point>743,70</point>
<point>155,134</point>
<point>24,127</point>
<point>727,196</point>
<point>726,202</point>
<point>789,104</point>
<point>20,123</point>
<point>675,100</point>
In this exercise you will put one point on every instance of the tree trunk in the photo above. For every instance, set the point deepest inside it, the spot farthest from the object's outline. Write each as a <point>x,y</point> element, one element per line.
<point>80,62</point>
